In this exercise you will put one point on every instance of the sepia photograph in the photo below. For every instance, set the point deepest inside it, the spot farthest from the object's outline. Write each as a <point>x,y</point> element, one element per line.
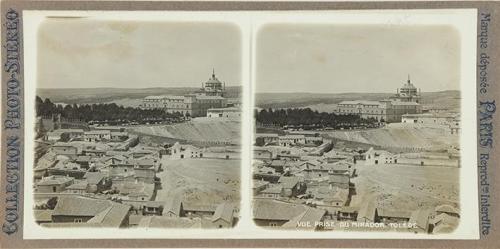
<point>357,128</point>
<point>138,124</point>
<point>249,125</point>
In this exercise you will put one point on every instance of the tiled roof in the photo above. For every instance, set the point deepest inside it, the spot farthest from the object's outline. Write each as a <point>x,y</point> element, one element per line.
<point>224,211</point>
<point>367,211</point>
<point>79,186</point>
<point>267,209</point>
<point>113,216</point>
<point>173,205</point>
<point>309,216</point>
<point>273,190</point>
<point>54,180</point>
<point>288,181</point>
<point>420,217</point>
<point>94,177</point>
<point>80,206</point>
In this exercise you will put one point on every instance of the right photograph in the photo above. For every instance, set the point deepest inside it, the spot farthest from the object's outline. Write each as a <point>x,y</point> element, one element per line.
<point>357,128</point>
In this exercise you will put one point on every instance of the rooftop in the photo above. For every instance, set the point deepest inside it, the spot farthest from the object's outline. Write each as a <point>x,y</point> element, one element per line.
<point>309,216</point>
<point>94,177</point>
<point>54,180</point>
<point>267,209</point>
<point>79,186</point>
<point>288,181</point>
<point>103,212</point>
<point>224,211</point>
<point>173,205</point>
<point>273,190</point>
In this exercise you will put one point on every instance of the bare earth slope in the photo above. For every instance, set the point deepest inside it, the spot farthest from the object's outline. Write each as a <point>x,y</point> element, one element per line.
<point>401,136</point>
<point>198,130</point>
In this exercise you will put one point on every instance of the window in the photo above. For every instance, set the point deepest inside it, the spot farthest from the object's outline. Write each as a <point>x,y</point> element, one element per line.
<point>78,220</point>
<point>54,189</point>
<point>273,224</point>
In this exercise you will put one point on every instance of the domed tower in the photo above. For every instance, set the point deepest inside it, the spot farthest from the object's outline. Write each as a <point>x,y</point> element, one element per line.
<point>213,87</point>
<point>408,93</point>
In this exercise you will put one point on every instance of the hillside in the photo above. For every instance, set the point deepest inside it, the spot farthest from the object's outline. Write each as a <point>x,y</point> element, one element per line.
<point>199,130</point>
<point>401,136</point>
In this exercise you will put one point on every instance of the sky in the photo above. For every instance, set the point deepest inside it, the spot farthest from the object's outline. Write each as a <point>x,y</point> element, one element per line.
<point>80,53</point>
<point>323,58</point>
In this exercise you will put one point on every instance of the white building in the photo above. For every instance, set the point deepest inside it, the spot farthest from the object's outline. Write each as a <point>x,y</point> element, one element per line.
<point>210,96</point>
<point>291,140</point>
<point>445,119</point>
<point>96,135</point>
<point>60,133</point>
<point>182,151</point>
<point>406,101</point>
<point>230,112</point>
<point>375,157</point>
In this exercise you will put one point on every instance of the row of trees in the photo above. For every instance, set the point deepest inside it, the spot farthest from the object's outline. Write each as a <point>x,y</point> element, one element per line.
<point>306,117</point>
<point>100,112</point>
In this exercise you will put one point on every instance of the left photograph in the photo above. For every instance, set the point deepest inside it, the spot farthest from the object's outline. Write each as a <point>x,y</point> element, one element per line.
<point>138,124</point>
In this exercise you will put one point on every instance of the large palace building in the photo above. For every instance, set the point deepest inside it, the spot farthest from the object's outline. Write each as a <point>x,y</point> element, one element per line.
<point>211,95</point>
<point>405,101</point>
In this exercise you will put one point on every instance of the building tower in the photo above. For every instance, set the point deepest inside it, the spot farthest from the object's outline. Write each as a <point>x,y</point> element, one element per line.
<point>408,93</point>
<point>213,87</point>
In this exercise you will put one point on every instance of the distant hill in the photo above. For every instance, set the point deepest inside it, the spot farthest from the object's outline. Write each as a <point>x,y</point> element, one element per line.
<point>292,100</point>
<point>106,95</point>
<point>323,101</point>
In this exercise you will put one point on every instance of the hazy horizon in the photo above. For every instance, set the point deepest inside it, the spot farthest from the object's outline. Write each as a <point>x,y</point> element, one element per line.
<point>356,58</point>
<point>135,88</point>
<point>73,53</point>
<point>237,86</point>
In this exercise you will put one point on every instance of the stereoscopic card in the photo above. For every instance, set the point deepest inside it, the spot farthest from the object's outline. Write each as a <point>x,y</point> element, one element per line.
<point>238,124</point>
